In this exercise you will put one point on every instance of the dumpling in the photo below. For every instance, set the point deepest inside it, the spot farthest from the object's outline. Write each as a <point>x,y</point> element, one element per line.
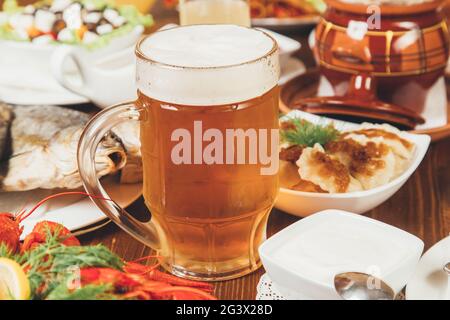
<point>370,161</point>
<point>402,148</point>
<point>391,136</point>
<point>288,174</point>
<point>290,178</point>
<point>329,174</point>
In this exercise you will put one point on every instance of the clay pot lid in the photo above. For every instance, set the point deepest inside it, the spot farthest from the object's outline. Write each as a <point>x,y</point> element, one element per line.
<point>386,9</point>
<point>364,110</point>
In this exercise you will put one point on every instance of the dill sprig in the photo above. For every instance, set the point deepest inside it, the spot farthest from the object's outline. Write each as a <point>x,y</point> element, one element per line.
<point>5,252</point>
<point>88,292</point>
<point>49,267</point>
<point>306,134</point>
<point>49,264</point>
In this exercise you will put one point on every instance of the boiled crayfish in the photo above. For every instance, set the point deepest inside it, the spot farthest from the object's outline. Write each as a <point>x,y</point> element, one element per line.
<point>134,281</point>
<point>11,230</point>
<point>137,281</point>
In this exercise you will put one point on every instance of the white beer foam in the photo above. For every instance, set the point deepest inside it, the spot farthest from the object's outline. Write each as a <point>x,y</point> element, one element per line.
<point>207,65</point>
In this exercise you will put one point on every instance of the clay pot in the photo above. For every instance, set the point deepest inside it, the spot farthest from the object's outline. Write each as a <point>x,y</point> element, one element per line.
<point>399,51</point>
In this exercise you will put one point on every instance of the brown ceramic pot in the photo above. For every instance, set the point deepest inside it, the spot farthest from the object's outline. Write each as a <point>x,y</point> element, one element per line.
<point>400,54</point>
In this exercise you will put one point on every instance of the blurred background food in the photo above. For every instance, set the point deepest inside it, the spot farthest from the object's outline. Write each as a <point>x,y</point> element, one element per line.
<point>214,11</point>
<point>285,8</point>
<point>86,22</point>
<point>275,8</point>
<point>144,6</point>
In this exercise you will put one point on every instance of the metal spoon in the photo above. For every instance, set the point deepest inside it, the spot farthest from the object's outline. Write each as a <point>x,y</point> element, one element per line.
<point>447,268</point>
<point>362,286</point>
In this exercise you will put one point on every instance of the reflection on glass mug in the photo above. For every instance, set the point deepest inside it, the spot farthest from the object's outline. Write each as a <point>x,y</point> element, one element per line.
<point>208,111</point>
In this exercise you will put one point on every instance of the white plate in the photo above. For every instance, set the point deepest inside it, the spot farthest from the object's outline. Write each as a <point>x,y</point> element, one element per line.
<point>429,281</point>
<point>74,212</point>
<point>302,204</point>
<point>25,76</point>
<point>292,68</point>
<point>16,94</point>
<point>287,46</point>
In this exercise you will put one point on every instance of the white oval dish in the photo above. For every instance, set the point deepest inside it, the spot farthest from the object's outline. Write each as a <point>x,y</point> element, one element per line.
<point>74,212</point>
<point>302,204</point>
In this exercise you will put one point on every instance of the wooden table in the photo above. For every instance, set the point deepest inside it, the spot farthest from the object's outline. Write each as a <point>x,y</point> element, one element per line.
<point>421,207</point>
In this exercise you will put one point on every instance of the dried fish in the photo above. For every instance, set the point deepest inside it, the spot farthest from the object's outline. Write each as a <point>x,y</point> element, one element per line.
<point>5,122</point>
<point>129,135</point>
<point>44,143</point>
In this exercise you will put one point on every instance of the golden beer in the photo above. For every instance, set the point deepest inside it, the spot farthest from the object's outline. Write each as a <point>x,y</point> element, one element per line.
<point>208,112</point>
<point>212,216</point>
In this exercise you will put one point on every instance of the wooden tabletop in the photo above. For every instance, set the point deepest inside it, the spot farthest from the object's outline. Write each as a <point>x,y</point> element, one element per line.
<point>421,207</point>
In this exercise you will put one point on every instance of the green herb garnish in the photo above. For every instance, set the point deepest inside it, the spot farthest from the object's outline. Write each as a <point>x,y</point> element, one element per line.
<point>50,266</point>
<point>306,134</point>
<point>5,252</point>
<point>89,292</point>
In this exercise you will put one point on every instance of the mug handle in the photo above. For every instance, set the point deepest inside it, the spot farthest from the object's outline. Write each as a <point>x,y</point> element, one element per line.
<point>93,133</point>
<point>59,57</point>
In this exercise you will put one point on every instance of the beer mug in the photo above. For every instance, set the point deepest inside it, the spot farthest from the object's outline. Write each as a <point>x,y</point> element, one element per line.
<point>208,111</point>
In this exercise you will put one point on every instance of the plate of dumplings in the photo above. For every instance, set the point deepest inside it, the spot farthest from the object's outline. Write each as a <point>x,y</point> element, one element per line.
<point>333,164</point>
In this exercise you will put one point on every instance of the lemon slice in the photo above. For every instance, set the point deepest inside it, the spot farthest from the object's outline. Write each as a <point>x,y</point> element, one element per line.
<point>13,281</point>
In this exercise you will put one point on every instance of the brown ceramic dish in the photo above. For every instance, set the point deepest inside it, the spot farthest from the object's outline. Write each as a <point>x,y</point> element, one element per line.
<point>306,86</point>
<point>403,52</point>
<point>360,102</point>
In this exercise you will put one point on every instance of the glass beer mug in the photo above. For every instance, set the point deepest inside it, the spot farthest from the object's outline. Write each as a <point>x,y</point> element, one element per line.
<point>208,111</point>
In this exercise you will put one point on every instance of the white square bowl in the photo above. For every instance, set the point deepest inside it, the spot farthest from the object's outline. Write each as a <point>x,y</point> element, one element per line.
<point>304,269</point>
<point>302,203</point>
